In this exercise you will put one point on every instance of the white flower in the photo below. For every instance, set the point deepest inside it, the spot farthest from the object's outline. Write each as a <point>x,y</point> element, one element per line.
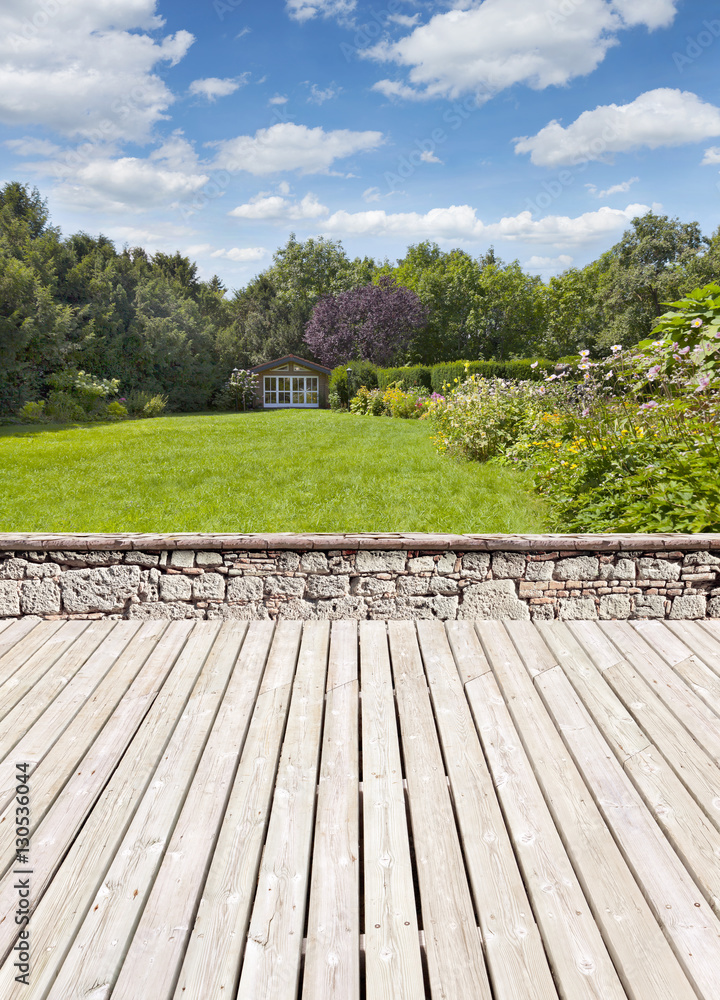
<point>616,347</point>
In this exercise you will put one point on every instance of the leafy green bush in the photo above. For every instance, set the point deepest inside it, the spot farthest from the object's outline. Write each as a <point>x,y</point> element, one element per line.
<point>409,377</point>
<point>155,406</point>
<point>453,372</point>
<point>62,407</point>
<point>33,413</point>
<point>86,390</point>
<point>116,411</point>
<point>136,401</point>
<point>363,373</point>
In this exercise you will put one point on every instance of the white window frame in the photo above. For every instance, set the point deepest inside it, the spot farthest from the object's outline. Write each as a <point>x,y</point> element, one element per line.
<point>290,387</point>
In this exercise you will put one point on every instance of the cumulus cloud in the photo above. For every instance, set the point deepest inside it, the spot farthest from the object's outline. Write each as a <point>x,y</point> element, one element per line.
<point>484,47</point>
<point>287,146</point>
<point>241,255</point>
<point>428,157</point>
<point>128,184</point>
<point>318,96</point>
<point>87,71</point>
<point>711,157</point>
<point>278,99</point>
<point>560,263</point>
<point>460,222</point>
<point>662,117</point>
<point>276,208</point>
<point>29,146</point>
<point>212,87</point>
<point>305,10</point>
<point>621,188</point>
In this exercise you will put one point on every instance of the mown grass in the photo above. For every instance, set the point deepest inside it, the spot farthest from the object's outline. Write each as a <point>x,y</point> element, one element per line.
<point>287,470</point>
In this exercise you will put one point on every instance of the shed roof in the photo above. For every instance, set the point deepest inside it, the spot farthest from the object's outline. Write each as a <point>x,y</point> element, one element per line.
<point>291,357</point>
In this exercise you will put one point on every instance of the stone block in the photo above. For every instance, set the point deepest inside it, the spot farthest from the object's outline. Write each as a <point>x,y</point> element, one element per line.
<point>623,569</point>
<point>649,606</point>
<point>314,562</point>
<point>418,608</point>
<point>475,564</point>
<point>413,586</point>
<point>279,586</point>
<point>40,597</point>
<point>542,612</point>
<point>205,559</point>
<point>577,609</point>
<point>245,588</point>
<point>142,558</point>
<point>508,565</point>
<point>327,586</point>
<point>688,606</point>
<point>287,562</point>
<point>341,609</point>
<point>175,588</point>
<point>182,559</point>
<point>107,589</point>
<point>713,607</point>
<point>615,606</point>
<point>442,585</point>
<point>446,563</point>
<point>380,562</point>
<point>492,599</point>
<point>42,571</point>
<point>535,571</point>
<point>9,599</point>
<point>701,559</point>
<point>577,568</point>
<point>658,569</point>
<point>13,569</point>
<point>244,612</point>
<point>370,586</point>
<point>421,564</point>
<point>87,559</point>
<point>209,587</point>
<point>160,612</point>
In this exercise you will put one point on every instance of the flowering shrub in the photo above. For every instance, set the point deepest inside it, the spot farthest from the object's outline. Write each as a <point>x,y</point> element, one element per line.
<point>391,402</point>
<point>633,446</point>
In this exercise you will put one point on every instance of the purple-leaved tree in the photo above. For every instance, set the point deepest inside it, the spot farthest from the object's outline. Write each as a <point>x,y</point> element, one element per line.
<point>373,323</point>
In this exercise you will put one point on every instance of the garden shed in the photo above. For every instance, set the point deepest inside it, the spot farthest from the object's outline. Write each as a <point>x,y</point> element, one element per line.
<point>291,381</point>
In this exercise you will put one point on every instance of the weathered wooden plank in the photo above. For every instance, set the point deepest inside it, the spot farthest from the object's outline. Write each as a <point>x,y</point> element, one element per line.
<point>15,632</point>
<point>63,906</point>
<point>98,950</point>
<point>6,623</point>
<point>536,654</point>
<point>332,959</point>
<point>642,956</point>
<point>693,713</point>
<point>273,951</point>
<point>393,964</point>
<point>467,650</point>
<point>609,713</point>
<point>56,832</point>
<point>712,627</point>
<point>600,649</point>
<point>681,657</point>
<point>452,939</point>
<point>211,967</point>
<point>693,766</point>
<point>35,655</point>
<point>513,947</point>
<point>155,954</point>
<point>575,948</point>
<point>55,761</point>
<point>61,692</point>
<point>699,640</point>
<point>689,923</point>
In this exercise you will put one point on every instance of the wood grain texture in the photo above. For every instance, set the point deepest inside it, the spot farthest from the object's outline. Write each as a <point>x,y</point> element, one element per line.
<point>393,964</point>
<point>702,643</point>
<point>513,947</point>
<point>468,652</point>
<point>690,925</point>
<point>211,967</point>
<point>678,654</point>
<point>103,939</point>
<point>64,904</point>
<point>20,640</point>
<point>452,938</point>
<point>272,954</point>
<point>332,960</point>
<point>158,945</point>
<point>641,955</point>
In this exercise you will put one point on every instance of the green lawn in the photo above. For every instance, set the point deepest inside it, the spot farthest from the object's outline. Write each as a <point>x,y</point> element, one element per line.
<point>287,470</point>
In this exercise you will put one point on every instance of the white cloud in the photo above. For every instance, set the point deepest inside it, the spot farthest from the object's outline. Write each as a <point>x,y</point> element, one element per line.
<point>86,69</point>
<point>305,10</point>
<point>662,117</point>
<point>371,194</point>
<point>560,263</point>
<point>212,87</point>
<point>428,157</point>
<point>278,99</point>
<point>484,47</point>
<point>711,157</point>
<point>241,254</point>
<point>404,19</point>
<point>29,146</point>
<point>318,96</point>
<point>292,147</point>
<point>621,188</point>
<point>460,222</point>
<point>278,209</point>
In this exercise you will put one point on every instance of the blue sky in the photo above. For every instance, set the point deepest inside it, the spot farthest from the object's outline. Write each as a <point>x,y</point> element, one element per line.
<point>218,127</point>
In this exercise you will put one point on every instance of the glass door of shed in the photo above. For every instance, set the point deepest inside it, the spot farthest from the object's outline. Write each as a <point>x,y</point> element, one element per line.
<point>291,390</point>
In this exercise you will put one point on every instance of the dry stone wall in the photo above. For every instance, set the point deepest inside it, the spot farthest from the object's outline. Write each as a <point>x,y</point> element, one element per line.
<point>302,577</point>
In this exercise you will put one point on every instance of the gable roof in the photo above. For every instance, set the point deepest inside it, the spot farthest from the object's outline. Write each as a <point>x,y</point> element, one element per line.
<point>290,357</point>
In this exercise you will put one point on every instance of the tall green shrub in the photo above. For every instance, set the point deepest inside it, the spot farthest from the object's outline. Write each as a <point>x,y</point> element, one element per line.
<point>409,377</point>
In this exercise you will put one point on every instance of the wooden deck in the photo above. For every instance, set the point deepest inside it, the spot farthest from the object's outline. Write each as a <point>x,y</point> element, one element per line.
<point>387,811</point>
